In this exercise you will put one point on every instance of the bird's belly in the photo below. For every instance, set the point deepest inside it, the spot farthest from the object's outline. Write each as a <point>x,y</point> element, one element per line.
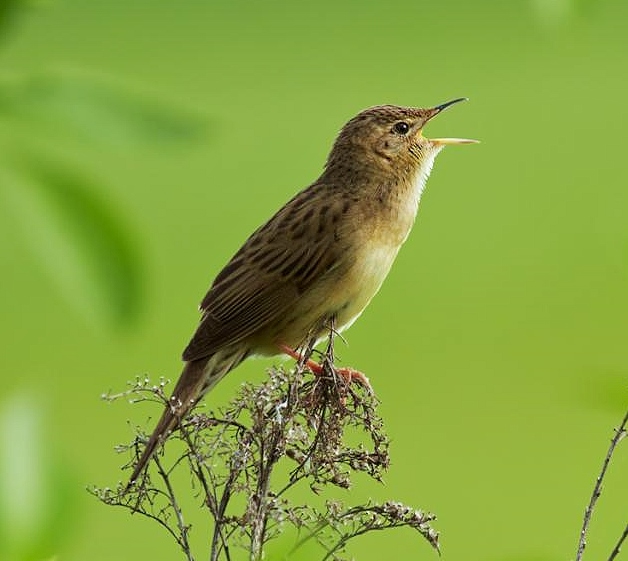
<point>363,281</point>
<point>341,296</point>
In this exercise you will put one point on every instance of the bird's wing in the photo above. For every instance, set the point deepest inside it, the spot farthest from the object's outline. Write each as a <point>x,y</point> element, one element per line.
<point>277,264</point>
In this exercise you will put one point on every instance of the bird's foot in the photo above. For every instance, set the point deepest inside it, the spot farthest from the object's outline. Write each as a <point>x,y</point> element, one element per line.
<point>348,375</point>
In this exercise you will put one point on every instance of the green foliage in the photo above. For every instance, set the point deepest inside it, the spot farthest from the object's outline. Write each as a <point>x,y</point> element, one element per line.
<point>8,9</point>
<point>36,496</point>
<point>82,241</point>
<point>98,111</point>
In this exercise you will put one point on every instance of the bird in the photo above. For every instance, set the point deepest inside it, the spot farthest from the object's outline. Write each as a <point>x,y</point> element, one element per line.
<point>320,258</point>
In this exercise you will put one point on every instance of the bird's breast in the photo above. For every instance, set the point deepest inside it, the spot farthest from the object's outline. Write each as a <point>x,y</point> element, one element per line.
<point>364,279</point>
<point>384,227</point>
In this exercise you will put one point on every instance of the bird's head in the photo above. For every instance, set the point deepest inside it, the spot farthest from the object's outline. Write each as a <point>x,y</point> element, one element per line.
<point>389,139</point>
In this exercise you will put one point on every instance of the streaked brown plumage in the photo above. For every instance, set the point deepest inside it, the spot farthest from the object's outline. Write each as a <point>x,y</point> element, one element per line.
<point>323,255</point>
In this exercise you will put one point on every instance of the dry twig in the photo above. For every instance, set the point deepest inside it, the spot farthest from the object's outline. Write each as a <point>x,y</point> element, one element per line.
<point>294,420</point>
<point>619,434</point>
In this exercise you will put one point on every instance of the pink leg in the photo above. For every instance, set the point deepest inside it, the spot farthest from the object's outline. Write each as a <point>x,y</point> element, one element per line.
<point>348,374</point>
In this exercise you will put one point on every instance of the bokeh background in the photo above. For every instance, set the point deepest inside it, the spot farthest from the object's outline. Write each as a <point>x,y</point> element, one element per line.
<point>143,140</point>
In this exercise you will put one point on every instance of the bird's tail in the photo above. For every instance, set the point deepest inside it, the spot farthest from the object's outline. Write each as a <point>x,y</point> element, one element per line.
<point>197,378</point>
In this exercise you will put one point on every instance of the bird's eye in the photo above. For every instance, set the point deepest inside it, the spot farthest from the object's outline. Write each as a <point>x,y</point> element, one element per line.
<point>401,127</point>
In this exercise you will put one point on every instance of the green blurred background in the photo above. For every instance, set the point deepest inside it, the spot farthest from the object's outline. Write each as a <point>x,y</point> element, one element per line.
<point>142,141</point>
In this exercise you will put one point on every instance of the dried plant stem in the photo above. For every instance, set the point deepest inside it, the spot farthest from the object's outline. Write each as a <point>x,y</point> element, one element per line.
<point>306,426</point>
<point>217,535</point>
<point>183,528</point>
<point>620,433</point>
<point>260,506</point>
<point>618,545</point>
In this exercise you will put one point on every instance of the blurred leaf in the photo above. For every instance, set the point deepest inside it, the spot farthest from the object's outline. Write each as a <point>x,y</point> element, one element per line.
<point>34,497</point>
<point>22,495</point>
<point>553,12</point>
<point>99,112</point>
<point>8,8</point>
<point>84,244</point>
<point>556,12</point>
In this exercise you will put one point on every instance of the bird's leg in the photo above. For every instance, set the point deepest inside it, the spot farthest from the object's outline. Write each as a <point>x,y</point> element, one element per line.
<point>347,374</point>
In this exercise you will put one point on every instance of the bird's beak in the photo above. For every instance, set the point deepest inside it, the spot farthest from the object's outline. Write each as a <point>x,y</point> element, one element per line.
<point>445,141</point>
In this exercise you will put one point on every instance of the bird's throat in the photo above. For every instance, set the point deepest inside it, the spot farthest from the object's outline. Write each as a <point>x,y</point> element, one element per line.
<point>409,195</point>
<point>423,172</point>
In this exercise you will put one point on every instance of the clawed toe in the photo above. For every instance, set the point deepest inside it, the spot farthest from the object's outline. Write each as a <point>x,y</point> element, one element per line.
<point>350,375</point>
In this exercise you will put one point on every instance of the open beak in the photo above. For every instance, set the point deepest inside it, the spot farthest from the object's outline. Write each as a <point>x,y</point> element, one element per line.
<point>445,141</point>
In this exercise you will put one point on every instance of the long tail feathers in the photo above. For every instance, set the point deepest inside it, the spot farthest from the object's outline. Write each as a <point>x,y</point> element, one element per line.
<point>185,395</point>
<point>197,378</point>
